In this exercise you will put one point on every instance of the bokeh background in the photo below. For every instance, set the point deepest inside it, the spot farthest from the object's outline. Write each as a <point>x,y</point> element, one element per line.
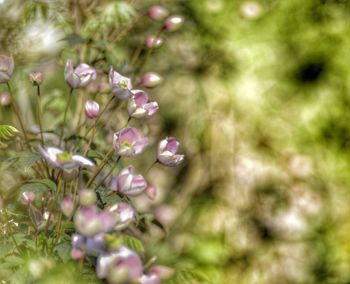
<point>258,94</point>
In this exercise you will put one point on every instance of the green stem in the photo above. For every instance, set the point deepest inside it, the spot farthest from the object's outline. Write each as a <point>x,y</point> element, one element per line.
<point>15,110</point>
<point>109,173</point>
<point>100,167</point>
<point>39,115</point>
<point>91,138</point>
<point>65,114</point>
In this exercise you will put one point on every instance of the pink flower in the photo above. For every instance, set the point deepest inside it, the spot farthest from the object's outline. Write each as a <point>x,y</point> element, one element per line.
<point>167,150</point>
<point>129,142</point>
<point>109,265</point>
<point>121,86</point>
<point>139,106</point>
<point>36,78</point>
<point>92,109</point>
<point>7,66</point>
<point>79,77</point>
<point>125,213</point>
<point>129,183</point>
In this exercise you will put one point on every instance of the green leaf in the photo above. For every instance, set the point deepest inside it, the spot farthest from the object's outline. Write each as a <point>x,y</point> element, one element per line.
<point>133,243</point>
<point>188,276</point>
<point>47,182</point>
<point>7,132</point>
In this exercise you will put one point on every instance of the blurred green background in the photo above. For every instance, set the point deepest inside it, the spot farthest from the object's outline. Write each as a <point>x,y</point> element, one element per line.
<point>257,92</point>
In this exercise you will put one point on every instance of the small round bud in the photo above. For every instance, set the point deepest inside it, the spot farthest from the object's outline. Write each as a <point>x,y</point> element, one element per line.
<point>92,109</point>
<point>27,197</point>
<point>173,23</point>
<point>87,197</point>
<point>152,41</point>
<point>118,274</point>
<point>151,80</point>
<point>5,98</point>
<point>157,13</point>
<point>77,254</point>
<point>36,78</point>
<point>67,206</point>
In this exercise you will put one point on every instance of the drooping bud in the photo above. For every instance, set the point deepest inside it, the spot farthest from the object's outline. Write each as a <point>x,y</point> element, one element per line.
<point>151,80</point>
<point>27,197</point>
<point>36,78</point>
<point>67,206</point>
<point>157,13</point>
<point>5,98</point>
<point>173,23</point>
<point>167,152</point>
<point>152,41</point>
<point>87,197</point>
<point>79,77</point>
<point>92,109</point>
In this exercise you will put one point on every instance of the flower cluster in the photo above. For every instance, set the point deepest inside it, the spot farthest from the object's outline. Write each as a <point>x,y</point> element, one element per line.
<point>74,176</point>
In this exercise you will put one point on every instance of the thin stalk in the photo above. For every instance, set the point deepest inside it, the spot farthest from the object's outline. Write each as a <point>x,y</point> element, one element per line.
<point>109,173</point>
<point>91,138</point>
<point>151,166</point>
<point>40,115</point>
<point>15,110</point>
<point>65,114</point>
<point>100,167</point>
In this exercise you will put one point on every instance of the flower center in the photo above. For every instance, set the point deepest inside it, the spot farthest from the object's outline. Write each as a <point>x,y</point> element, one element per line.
<point>123,84</point>
<point>126,144</point>
<point>64,157</point>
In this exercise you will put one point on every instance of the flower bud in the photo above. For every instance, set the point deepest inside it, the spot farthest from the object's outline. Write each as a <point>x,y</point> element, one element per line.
<point>151,192</point>
<point>7,66</point>
<point>163,272</point>
<point>157,13</point>
<point>152,41</point>
<point>5,98</point>
<point>67,206</point>
<point>173,23</point>
<point>151,80</point>
<point>36,78</point>
<point>92,109</point>
<point>118,275</point>
<point>27,197</point>
<point>87,197</point>
<point>77,254</point>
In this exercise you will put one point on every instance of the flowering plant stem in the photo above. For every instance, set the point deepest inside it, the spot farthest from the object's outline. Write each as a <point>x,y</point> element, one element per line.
<point>15,110</point>
<point>40,115</point>
<point>100,167</point>
<point>108,174</point>
<point>91,138</point>
<point>65,114</point>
